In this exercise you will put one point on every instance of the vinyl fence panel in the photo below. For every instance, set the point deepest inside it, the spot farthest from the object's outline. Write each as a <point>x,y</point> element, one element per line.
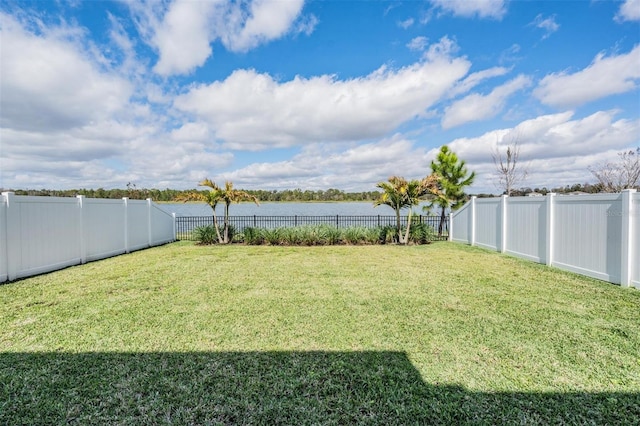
<point>462,230</point>
<point>41,234</point>
<point>594,235</point>
<point>137,225</point>
<point>587,231</point>
<point>526,230</point>
<point>162,226</point>
<point>488,214</point>
<point>105,219</point>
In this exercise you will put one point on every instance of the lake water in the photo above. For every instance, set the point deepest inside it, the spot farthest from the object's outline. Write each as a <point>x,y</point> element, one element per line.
<point>286,209</point>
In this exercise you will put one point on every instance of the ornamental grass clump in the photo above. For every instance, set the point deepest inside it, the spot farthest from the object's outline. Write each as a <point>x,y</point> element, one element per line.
<point>205,235</point>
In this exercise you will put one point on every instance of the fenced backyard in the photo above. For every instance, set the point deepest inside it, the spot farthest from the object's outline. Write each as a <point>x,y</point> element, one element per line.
<point>186,224</point>
<point>375,334</point>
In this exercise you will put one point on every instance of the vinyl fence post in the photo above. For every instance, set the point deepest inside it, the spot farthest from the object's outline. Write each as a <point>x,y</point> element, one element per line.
<point>626,253</point>
<point>472,214</point>
<point>450,236</point>
<point>149,228</point>
<point>125,205</point>
<point>503,222</point>
<point>81,224</point>
<point>550,231</point>
<point>175,235</point>
<point>12,239</point>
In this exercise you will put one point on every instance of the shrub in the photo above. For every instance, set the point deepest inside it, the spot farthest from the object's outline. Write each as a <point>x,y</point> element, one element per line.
<point>292,236</point>
<point>333,235</point>
<point>233,232</point>
<point>355,235</point>
<point>205,234</point>
<point>387,234</point>
<point>253,236</point>
<point>421,233</point>
<point>312,235</point>
<point>273,236</point>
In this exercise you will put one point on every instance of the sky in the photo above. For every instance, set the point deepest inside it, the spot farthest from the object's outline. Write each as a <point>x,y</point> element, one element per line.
<point>285,94</point>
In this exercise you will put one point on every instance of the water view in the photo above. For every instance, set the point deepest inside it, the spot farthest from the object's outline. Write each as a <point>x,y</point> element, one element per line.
<point>286,209</point>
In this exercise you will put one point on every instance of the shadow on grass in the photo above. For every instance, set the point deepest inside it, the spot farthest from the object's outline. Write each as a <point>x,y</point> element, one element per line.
<point>271,388</point>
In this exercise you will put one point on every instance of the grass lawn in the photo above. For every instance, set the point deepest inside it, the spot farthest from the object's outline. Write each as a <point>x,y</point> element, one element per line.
<point>436,334</point>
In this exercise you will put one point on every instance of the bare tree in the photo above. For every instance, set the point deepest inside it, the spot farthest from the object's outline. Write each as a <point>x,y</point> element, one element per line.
<point>616,176</point>
<point>509,171</point>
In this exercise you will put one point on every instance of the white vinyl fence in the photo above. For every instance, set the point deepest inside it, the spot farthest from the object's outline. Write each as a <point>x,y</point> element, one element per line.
<point>594,235</point>
<point>42,234</point>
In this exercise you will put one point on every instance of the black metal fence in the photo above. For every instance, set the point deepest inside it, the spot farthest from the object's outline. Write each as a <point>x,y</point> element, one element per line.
<point>185,224</point>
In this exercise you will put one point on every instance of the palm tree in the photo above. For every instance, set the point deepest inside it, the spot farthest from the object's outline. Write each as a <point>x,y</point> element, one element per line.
<point>211,197</point>
<point>398,193</point>
<point>216,195</point>
<point>452,178</point>
<point>230,195</point>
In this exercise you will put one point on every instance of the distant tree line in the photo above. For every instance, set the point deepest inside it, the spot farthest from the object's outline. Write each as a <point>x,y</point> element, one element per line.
<point>587,188</point>
<point>174,195</point>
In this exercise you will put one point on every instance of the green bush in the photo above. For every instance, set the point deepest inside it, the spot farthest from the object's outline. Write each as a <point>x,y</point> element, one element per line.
<point>333,235</point>
<point>387,235</point>
<point>233,232</point>
<point>205,234</point>
<point>359,235</point>
<point>272,236</point>
<point>292,236</point>
<point>317,235</point>
<point>253,236</point>
<point>421,233</point>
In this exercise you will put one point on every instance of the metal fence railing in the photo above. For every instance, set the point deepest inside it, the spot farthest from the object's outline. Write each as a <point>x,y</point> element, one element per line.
<point>185,224</point>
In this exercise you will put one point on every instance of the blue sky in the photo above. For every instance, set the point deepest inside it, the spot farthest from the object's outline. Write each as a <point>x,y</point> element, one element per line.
<point>278,94</point>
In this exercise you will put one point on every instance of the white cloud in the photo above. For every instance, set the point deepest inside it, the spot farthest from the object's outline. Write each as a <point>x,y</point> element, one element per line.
<point>190,132</point>
<point>182,33</point>
<point>307,24</point>
<point>48,84</point>
<point>253,110</point>
<point>67,116</point>
<point>557,147</point>
<point>549,25</point>
<point>406,23</point>
<point>495,9</point>
<point>477,107</point>
<point>322,166</point>
<point>445,47</point>
<point>629,11</point>
<point>418,43</point>
<point>183,37</point>
<point>605,76</point>
<point>473,79</point>
<point>267,20</point>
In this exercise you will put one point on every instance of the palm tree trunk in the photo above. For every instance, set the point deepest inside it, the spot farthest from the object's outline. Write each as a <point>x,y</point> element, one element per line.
<point>406,235</point>
<point>215,225</point>
<point>226,223</point>
<point>399,225</point>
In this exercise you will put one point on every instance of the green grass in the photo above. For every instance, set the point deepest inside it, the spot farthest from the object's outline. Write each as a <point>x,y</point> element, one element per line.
<point>435,334</point>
